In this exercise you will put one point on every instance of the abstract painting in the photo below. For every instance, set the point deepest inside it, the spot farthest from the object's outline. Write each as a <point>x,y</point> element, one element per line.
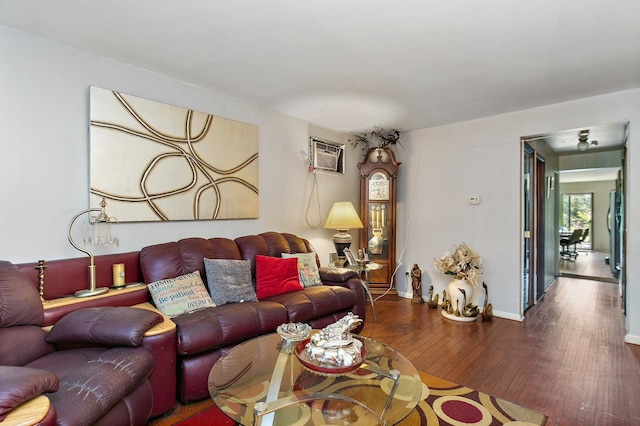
<point>157,162</point>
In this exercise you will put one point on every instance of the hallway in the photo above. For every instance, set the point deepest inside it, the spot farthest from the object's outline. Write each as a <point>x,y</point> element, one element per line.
<point>588,265</point>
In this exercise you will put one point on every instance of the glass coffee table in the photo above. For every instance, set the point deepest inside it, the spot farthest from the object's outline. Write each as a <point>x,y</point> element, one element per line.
<point>262,382</point>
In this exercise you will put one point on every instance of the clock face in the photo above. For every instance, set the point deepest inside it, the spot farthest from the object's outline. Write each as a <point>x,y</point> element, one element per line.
<point>378,187</point>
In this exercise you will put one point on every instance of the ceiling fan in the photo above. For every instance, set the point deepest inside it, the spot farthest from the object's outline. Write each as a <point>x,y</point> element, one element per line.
<point>583,141</point>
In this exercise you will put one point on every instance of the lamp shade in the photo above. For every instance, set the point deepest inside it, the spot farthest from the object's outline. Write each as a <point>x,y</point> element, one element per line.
<point>343,216</point>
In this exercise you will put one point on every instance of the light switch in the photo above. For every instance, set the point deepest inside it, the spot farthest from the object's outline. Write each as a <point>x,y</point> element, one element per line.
<point>474,200</point>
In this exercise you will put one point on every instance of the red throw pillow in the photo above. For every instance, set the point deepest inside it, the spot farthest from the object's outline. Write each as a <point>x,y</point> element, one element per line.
<point>275,275</point>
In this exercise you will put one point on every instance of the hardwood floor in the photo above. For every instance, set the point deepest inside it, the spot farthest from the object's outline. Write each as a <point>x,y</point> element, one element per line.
<point>567,359</point>
<point>589,264</point>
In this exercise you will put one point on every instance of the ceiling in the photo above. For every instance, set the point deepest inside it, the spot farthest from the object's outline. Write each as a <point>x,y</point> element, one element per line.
<point>351,65</point>
<point>603,137</point>
<point>589,175</point>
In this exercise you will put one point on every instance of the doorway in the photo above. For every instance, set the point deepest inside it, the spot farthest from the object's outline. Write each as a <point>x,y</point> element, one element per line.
<point>540,246</point>
<point>535,191</point>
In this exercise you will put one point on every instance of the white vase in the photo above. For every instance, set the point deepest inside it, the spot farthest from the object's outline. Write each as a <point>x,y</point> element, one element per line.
<point>478,297</point>
<point>460,293</point>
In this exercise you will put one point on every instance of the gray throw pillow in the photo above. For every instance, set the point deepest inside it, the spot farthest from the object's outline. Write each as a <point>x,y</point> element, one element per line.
<point>229,281</point>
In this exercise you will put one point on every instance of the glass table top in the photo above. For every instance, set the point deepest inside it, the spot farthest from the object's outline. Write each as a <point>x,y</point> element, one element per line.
<point>261,381</point>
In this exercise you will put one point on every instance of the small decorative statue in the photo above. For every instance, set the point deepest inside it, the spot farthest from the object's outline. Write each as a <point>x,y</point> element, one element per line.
<point>432,300</point>
<point>334,344</point>
<point>416,283</point>
<point>487,312</point>
<point>469,310</point>
<point>41,269</point>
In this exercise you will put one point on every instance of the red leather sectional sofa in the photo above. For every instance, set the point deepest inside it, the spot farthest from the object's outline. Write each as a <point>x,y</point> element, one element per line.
<point>183,358</point>
<point>204,336</point>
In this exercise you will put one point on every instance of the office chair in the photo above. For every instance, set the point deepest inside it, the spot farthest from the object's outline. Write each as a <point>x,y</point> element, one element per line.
<point>584,235</point>
<point>566,252</point>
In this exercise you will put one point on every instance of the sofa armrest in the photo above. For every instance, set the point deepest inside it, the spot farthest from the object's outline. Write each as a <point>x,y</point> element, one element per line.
<point>161,341</point>
<point>35,411</point>
<point>19,384</point>
<point>332,276</point>
<point>350,279</point>
<point>110,326</point>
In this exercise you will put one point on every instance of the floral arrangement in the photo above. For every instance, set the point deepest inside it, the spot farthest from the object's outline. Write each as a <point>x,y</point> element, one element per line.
<point>384,137</point>
<point>463,263</point>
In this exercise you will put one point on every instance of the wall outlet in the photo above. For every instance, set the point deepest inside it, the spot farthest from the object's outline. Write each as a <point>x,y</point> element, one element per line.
<point>474,200</point>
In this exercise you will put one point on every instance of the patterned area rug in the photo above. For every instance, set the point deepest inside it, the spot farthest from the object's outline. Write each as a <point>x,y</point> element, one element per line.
<point>447,403</point>
<point>443,403</point>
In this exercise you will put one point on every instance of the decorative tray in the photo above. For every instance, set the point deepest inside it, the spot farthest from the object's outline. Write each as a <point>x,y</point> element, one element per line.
<point>324,367</point>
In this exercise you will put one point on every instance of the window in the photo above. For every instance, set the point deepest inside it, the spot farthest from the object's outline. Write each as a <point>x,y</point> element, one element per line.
<point>577,213</point>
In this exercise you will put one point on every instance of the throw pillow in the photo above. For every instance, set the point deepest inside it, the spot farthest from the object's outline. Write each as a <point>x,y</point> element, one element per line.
<point>307,268</point>
<point>180,295</point>
<point>229,281</point>
<point>276,276</point>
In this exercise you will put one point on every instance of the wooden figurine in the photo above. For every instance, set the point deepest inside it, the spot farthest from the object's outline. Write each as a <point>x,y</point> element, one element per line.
<point>416,283</point>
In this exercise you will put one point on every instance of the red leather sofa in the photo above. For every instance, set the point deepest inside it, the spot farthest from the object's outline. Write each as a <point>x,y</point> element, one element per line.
<point>183,358</point>
<point>203,336</point>
<point>90,366</point>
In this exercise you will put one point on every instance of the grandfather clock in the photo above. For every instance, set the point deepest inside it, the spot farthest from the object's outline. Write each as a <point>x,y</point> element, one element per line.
<point>378,174</point>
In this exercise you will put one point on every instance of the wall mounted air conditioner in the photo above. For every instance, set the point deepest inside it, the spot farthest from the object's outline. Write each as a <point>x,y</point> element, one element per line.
<point>327,156</point>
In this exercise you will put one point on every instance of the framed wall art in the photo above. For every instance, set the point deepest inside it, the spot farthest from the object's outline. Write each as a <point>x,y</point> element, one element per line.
<point>159,162</point>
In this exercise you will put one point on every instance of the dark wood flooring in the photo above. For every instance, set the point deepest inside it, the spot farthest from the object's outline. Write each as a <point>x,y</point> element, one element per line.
<point>588,264</point>
<point>567,359</point>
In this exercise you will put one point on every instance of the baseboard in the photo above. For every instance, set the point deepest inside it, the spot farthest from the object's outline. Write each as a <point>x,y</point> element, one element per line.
<point>590,277</point>
<point>508,315</point>
<point>406,295</point>
<point>630,338</point>
<point>499,314</point>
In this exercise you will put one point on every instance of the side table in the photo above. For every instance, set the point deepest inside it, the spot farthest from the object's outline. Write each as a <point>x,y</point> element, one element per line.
<point>365,269</point>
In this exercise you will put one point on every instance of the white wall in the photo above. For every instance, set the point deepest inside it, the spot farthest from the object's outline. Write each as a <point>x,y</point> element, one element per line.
<point>600,190</point>
<point>443,166</point>
<point>44,167</point>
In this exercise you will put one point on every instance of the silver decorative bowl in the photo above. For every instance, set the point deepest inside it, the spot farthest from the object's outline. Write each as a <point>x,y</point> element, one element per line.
<point>294,332</point>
